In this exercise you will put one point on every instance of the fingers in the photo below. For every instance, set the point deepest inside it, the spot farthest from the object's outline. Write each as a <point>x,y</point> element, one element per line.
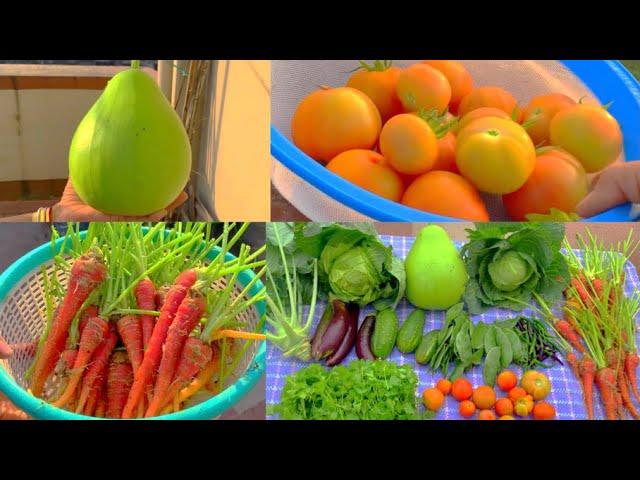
<point>160,214</point>
<point>178,201</point>
<point>616,185</point>
<point>5,350</point>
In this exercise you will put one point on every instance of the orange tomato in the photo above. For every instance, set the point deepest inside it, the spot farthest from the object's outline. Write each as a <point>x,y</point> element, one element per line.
<point>380,86</point>
<point>523,406</point>
<point>446,159</point>
<point>488,96</point>
<point>540,111</point>
<point>423,87</point>
<point>486,415</point>
<point>409,144</point>
<point>444,386</point>
<point>432,399</point>
<point>333,120</point>
<point>506,380</point>
<point>446,193</point>
<point>368,170</point>
<point>558,181</point>
<point>504,406</point>
<point>467,408</point>
<point>517,393</point>
<point>461,389</point>
<point>589,133</point>
<point>458,77</point>
<point>495,154</point>
<point>506,417</point>
<point>536,384</point>
<point>544,411</point>
<point>484,397</point>
<point>479,113</point>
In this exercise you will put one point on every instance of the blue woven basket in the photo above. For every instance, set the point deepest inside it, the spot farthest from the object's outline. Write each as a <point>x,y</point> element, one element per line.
<point>607,79</point>
<point>24,274</point>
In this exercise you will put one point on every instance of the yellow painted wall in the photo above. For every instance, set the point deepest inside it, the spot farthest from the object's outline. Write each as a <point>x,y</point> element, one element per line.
<point>238,156</point>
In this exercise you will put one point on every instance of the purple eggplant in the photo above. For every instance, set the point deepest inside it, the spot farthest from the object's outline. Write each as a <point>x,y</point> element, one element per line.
<point>349,336</point>
<point>363,340</point>
<point>320,329</point>
<point>332,337</point>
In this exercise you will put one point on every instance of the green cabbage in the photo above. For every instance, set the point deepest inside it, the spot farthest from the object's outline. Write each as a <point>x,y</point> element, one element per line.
<point>507,262</point>
<point>354,265</point>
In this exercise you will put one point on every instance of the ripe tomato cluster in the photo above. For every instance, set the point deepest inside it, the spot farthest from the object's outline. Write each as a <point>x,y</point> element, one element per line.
<point>426,137</point>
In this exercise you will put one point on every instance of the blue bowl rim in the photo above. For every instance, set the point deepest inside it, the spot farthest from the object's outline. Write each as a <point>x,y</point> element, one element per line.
<point>607,79</point>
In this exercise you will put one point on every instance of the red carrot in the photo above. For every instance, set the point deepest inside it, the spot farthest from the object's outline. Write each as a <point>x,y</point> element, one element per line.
<point>89,312</point>
<point>630,367</point>
<point>195,355</point>
<point>153,354</point>
<point>68,358</point>
<point>130,332</point>
<point>613,361</point>
<point>588,369</point>
<point>579,284</point>
<point>119,380</point>
<point>619,405</point>
<point>624,393</point>
<point>94,396</point>
<point>570,335</point>
<point>145,293</point>
<point>598,287</point>
<point>188,316</point>
<point>161,295</point>
<point>606,382</point>
<point>91,338</point>
<point>87,273</point>
<point>575,365</point>
<point>100,407</point>
<point>98,366</point>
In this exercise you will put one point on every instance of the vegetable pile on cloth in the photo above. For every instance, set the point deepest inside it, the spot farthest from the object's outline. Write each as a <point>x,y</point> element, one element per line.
<point>566,393</point>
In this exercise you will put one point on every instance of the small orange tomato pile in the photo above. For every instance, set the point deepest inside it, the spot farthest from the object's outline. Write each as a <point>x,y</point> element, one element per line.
<point>522,401</point>
<point>427,137</point>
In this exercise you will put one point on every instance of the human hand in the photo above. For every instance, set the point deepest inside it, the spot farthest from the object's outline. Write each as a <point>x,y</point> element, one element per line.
<point>613,186</point>
<point>5,350</point>
<point>71,208</point>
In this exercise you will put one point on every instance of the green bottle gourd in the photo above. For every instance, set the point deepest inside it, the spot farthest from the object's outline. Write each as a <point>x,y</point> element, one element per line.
<point>130,154</point>
<point>436,275</point>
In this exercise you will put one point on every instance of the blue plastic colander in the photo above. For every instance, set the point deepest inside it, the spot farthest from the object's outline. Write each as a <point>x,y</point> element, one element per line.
<point>322,195</point>
<point>21,322</point>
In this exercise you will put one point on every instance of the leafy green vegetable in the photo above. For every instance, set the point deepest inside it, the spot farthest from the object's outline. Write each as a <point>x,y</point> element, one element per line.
<point>477,337</point>
<point>506,352</point>
<point>354,265</point>
<point>508,262</point>
<point>289,330</point>
<point>362,390</point>
<point>490,338</point>
<point>491,366</point>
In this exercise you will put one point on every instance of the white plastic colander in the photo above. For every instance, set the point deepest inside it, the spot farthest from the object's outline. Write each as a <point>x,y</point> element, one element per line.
<point>323,196</point>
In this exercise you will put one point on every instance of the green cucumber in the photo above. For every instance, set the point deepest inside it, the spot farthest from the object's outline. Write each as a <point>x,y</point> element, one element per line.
<point>410,332</point>
<point>385,331</point>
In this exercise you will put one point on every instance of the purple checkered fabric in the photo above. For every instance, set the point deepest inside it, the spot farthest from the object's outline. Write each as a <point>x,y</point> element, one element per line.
<point>566,392</point>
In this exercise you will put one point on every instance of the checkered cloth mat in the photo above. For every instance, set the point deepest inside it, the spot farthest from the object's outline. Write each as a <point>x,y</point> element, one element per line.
<point>566,392</point>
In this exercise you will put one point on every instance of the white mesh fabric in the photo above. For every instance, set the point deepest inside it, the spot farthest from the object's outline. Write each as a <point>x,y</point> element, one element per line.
<point>292,80</point>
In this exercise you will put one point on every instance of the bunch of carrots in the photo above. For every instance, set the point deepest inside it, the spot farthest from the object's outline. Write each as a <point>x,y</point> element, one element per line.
<point>145,321</point>
<point>602,326</point>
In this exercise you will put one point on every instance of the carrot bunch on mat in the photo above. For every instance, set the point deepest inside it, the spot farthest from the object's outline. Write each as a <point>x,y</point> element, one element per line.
<point>603,327</point>
<point>145,320</point>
